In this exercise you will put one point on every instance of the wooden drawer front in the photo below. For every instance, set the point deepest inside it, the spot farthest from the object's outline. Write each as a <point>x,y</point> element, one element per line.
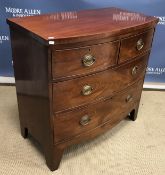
<point>69,94</point>
<point>72,123</point>
<point>78,61</point>
<point>135,45</point>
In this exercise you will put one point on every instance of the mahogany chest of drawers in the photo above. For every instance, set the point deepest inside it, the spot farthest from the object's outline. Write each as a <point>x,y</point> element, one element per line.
<point>78,73</point>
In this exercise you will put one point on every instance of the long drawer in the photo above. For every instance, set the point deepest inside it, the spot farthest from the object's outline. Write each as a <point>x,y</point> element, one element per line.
<point>72,123</point>
<point>84,90</point>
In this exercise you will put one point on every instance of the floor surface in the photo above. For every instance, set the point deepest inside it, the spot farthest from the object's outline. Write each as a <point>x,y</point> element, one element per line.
<point>130,148</point>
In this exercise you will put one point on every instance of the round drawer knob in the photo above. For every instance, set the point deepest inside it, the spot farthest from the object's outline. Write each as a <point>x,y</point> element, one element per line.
<point>87,90</point>
<point>140,44</point>
<point>88,60</point>
<point>129,98</point>
<point>134,70</point>
<point>85,120</point>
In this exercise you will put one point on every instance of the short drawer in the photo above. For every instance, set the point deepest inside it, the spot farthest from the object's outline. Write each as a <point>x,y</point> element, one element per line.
<point>72,123</point>
<point>135,45</point>
<point>78,61</point>
<point>84,90</point>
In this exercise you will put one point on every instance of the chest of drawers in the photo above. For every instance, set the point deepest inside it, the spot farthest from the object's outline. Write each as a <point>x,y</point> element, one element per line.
<point>78,73</point>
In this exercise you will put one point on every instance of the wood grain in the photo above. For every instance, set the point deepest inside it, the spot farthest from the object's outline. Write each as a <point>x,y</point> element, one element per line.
<point>128,49</point>
<point>104,84</point>
<point>70,27</point>
<point>99,113</point>
<point>68,62</point>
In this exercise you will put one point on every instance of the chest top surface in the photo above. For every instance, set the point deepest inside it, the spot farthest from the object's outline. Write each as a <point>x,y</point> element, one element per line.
<point>78,24</point>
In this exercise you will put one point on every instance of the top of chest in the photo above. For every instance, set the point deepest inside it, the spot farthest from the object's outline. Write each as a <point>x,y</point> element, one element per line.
<point>78,26</point>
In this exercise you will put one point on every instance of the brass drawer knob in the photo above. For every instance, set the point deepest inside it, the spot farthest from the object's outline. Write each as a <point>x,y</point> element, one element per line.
<point>87,90</point>
<point>129,98</point>
<point>140,44</point>
<point>85,120</point>
<point>88,60</point>
<point>134,70</point>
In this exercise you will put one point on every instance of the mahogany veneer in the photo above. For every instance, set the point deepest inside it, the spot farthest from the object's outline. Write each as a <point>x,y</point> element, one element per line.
<point>78,73</point>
